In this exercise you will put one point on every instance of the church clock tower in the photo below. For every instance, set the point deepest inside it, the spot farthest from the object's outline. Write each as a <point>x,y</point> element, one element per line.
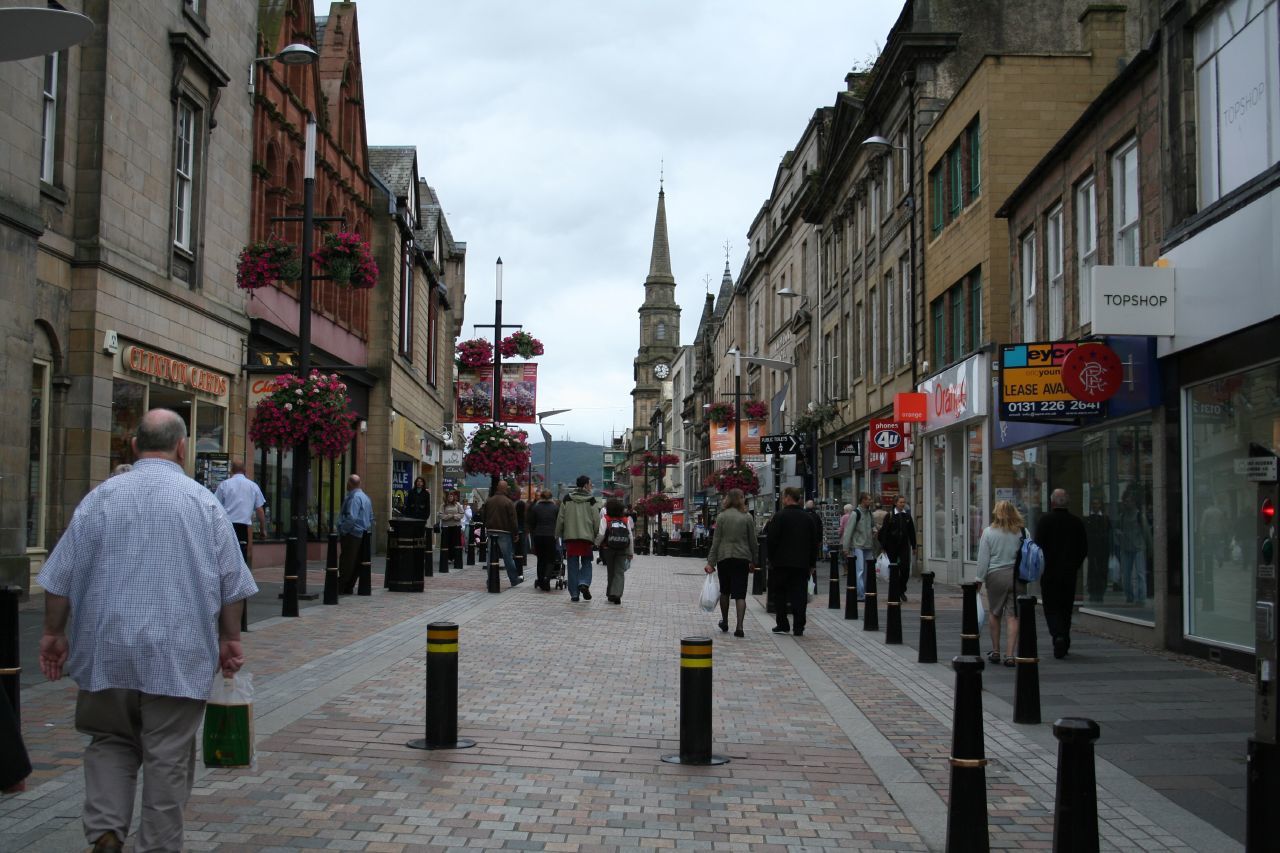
<point>659,330</point>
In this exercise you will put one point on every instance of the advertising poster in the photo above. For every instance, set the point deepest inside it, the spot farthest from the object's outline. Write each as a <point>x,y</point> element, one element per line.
<point>401,482</point>
<point>722,440</point>
<point>474,394</point>
<point>1032,387</point>
<point>212,469</point>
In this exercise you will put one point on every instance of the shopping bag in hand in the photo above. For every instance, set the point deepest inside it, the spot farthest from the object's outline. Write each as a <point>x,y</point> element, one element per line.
<point>812,589</point>
<point>882,566</point>
<point>710,593</point>
<point>228,722</point>
<point>982,611</point>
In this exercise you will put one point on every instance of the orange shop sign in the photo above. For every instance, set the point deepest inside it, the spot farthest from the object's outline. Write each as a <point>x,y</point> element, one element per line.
<point>911,407</point>
<point>261,387</point>
<point>169,369</point>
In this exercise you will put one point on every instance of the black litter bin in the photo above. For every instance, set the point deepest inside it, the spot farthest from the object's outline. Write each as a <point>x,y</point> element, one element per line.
<point>405,543</point>
<point>686,545</point>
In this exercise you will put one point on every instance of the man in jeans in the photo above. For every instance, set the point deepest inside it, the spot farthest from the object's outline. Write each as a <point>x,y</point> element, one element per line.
<point>499,515</point>
<point>856,541</point>
<point>578,525</point>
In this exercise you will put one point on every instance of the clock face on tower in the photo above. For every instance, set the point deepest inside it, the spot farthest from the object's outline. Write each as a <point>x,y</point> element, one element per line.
<point>661,370</point>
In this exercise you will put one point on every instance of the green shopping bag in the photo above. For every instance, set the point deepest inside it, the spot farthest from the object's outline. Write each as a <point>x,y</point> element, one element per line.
<point>228,722</point>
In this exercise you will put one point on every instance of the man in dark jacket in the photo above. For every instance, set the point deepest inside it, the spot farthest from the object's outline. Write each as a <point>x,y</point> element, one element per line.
<point>1062,538</point>
<point>898,539</point>
<point>542,526</point>
<point>793,541</point>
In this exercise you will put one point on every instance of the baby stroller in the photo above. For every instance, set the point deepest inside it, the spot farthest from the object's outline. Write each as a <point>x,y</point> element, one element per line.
<point>557,578</point>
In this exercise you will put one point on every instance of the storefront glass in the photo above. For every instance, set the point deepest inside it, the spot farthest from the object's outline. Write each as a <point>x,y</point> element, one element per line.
<point>211,422</point>
<point>938,490</point>
<point>1107,474</point>
<point>36,474</point>
<point>1226,420</point>
<point>273,472</point>
<point>128,405</point>
<point>977,489</point>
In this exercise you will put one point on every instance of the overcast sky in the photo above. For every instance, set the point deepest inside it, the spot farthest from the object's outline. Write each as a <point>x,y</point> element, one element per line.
<point>543,126</point>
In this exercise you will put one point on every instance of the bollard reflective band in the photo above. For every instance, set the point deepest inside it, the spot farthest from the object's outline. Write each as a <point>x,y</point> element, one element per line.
<point>442,641</point>
<point>970,636</point>
<point>11,670</point>
<point>697,656</point>
<point>928,619</point>
<point>1026,660</point>
<point>291,577</point>
<point>968,762</point>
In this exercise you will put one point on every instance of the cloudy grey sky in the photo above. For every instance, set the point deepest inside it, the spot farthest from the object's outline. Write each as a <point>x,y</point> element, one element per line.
<point>543,126</point>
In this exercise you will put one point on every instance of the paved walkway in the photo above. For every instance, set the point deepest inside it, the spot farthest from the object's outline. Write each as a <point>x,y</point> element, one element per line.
<point>836,740</point>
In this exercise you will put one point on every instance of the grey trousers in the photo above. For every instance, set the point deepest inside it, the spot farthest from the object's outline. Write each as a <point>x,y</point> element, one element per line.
<point>616,565</point>
<point>132,729</point>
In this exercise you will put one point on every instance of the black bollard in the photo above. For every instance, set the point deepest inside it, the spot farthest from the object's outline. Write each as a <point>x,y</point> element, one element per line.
<point>471,550</point>
<point>893,612</point>
<point>365,585</point>
<point>834,602</point>
<point>851,591</point>
<point>242,534</point>
<point>1075,808</point>
<point>494,582</point>
<point>289,595</point>
<point>967,805</point>
<point>970,641</point>
<point>10,661</point>
<point>428,561</point>
<point>517,544</point>
<point>695,705</point>
<point>1026,685</point>
<point>760,579</point>
<point>484,545</point>
<point>870,612</point>
<point>928,624</point>
<point>455,550</point>
<point>331,569</point>
<point>442,690</point>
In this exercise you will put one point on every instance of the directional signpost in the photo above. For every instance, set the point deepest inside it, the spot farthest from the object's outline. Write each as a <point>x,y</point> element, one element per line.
<point>786,444</point>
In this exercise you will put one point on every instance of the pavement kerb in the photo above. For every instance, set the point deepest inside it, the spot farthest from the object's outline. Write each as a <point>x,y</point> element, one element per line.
<point>1030,750</point>
<point>917,799</point>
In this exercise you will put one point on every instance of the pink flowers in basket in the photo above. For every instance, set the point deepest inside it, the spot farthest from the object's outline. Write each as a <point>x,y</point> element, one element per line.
<point>476,352</point>
<point>311,412</point>
<point>755,409</point>
<point>520,344</point>
<point>731,477</point>
<point>346,258</point>
<point>265,262</point>
<point>496,450</point>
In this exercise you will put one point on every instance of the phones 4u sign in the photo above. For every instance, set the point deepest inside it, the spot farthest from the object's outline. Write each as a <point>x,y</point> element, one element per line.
<point>886,443</point>
<point>1057,381</point>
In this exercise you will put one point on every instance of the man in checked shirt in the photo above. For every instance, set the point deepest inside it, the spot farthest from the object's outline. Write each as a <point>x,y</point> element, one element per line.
<point>142,606</point>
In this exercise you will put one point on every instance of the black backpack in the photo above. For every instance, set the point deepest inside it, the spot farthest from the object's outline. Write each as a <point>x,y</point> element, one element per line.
<point>616,534</point>
<point>893,533</point>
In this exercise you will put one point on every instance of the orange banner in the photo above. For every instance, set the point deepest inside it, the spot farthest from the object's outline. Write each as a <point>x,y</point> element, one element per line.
<point>722,440</point>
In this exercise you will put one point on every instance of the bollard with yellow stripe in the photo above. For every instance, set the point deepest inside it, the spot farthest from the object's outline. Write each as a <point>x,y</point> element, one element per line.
<point>442,690</point>
<point>695,705</point>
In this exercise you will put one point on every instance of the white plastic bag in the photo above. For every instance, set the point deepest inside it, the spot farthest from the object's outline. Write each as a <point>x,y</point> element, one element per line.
<point>882,566</point>
<point>813,587</point>
<point>228,722</point>
<point>710,593</point>
<point>982,611</point>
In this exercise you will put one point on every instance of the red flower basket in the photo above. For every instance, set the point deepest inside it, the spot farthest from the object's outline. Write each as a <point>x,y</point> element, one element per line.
<point>720,413</point>
<point>520,344</point>
<point>654,504</point>
<point>311,411</point>
<point>264,263</point>
<point>742,477</point>
<point>346,258</point>
<point>498,451</point>
<point>755,409</point>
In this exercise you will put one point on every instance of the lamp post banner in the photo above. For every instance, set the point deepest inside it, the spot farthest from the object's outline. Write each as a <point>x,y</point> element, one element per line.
<point>473,394</point>
<point>722,440</point>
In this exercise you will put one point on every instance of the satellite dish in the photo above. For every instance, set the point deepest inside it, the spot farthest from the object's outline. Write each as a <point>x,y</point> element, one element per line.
<point>31,31</point>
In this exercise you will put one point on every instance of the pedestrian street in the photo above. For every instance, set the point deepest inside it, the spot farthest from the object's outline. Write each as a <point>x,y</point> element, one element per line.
<point>835,740</point>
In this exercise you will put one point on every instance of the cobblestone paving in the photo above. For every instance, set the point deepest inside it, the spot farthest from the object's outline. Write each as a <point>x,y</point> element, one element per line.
<point>572,707</point>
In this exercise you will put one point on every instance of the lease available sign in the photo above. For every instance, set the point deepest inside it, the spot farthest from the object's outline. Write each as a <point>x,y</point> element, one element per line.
<point>1032,387</point>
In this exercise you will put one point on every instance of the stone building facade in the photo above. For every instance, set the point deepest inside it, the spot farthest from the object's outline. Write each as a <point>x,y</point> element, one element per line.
<point>125,204</point>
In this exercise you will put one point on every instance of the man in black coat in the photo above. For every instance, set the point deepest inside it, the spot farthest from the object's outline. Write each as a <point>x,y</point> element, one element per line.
<point>898,539</point>
<point>793,541</point>
<point>1064,541</point>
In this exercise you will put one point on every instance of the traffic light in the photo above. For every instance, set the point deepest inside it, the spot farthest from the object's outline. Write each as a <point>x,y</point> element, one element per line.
<point>1267,534</point>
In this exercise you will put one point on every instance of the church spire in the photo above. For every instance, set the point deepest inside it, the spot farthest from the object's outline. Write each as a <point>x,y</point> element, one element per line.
<point>660,258</point>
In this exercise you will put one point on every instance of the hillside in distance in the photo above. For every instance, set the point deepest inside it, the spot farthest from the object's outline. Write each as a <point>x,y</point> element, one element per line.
<point>568,460</point>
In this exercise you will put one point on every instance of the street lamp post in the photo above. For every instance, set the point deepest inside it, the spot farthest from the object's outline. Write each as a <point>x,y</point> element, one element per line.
<point>656,423</point>
<point>546,446</point>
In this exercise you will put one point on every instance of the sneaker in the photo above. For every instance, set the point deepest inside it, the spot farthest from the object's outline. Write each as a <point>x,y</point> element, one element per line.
<point>584,591</point>
<point>521,579</point>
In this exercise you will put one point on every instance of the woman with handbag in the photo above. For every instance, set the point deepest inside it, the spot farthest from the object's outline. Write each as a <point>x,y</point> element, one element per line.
<point>734,555</point>
<point>997,566</point>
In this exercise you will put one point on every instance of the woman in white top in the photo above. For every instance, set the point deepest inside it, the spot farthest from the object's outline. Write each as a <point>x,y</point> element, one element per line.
<point>997,554</point>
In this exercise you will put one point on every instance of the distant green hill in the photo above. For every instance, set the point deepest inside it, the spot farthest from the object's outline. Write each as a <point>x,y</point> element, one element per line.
<point>568,460</point>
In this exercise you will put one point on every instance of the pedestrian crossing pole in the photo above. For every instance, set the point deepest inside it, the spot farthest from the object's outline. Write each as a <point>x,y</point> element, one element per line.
<point>970,639</point>
<point>1075,806</point>
<point>242,534</point>
<point>494,582</point>
<point>442,690</point>
<point>695,705</point>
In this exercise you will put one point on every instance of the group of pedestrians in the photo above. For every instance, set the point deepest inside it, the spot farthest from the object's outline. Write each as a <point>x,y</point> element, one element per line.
<point>865,532</point>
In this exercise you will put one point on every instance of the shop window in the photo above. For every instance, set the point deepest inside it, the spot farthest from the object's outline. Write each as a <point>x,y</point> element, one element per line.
<point>1086,244</point>
<point>1124,204</point>
<point>1225,420</point>
<point>1027,262</point>
<point>977,488</point>
<point>1053,273</point>
<point>1238,111</point>
<point>211,422</point>
<point>38,455</point>
<point>939,525</point>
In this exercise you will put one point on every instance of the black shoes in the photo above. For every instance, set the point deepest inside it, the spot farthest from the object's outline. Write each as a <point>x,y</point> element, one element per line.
<point>1060,646</point>
<point>780,630</point>
<point>108,841</point>
<point>584,591</point>
<point>799,633</point>
<point>615,599</point>
<point>724,625</point>
<point>738,633</point>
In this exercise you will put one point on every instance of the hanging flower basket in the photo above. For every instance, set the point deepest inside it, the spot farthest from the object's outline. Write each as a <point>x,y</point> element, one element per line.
<point>653,460</point>
<point>720,413</point>
<point>312,411</point>
<point>266,262</point>
<point>520,344</point>
<point>654,504</point>
<point>476,352</point>
<point>742,477</point>
<point>497,451</point>
<point>755,409</point>
<point>345,258</point>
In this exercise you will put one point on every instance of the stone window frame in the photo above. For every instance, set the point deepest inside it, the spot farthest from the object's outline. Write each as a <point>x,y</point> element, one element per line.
<point>197,83</point>
<point>1028,280</point>
<point>1085,194</point>
<point>1125,227</point>
<point>404,342</point>
<point>1055,270</point>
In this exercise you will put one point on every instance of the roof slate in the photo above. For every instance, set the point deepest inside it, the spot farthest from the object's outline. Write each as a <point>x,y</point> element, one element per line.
<point>395,165</point>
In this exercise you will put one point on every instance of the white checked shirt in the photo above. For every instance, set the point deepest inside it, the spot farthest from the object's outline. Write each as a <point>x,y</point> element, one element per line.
<point>148,561</point>
<point>240,496</point>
